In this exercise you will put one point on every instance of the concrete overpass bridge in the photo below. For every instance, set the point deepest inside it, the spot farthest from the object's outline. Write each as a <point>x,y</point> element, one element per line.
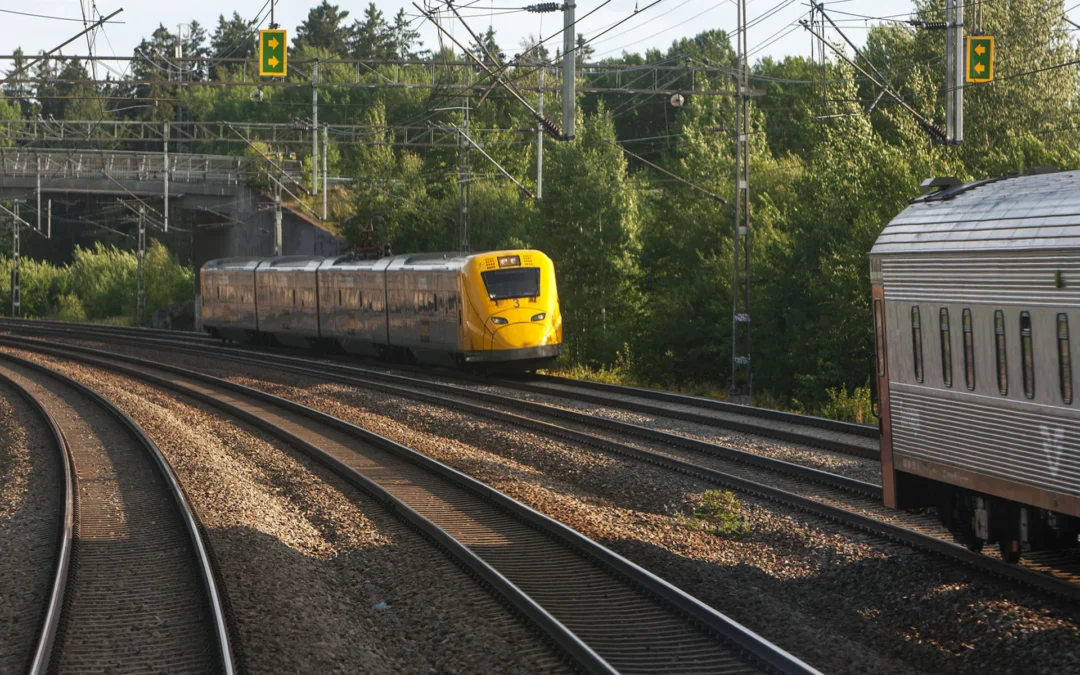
<point>232,216</point>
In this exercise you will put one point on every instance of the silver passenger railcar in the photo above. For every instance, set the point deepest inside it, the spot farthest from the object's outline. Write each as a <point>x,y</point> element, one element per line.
<point>287,299</point>
<point>227,292</point>
<point>976,289</point>
<point>352,309</point>
<point>423,295</point>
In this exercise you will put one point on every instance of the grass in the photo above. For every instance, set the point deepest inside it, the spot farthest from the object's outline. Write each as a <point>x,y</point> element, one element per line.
<point>844,405</point>
<point>720,512</point>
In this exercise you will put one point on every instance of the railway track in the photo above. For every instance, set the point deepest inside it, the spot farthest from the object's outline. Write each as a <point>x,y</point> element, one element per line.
<point>853,439</point>
<point>134,590</point>
<point>605,613</point>
<point>852,503</point>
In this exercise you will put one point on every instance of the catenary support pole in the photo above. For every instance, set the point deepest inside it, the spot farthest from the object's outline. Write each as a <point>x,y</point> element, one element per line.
<point>569,65</point>
<point>950,70</point>
<point>277,219</point>
<point>16,264</point>
<point>315,127</point>
<point>959,68</point>
<point>325,152</point>
<point>540,138</point>
<point>140,273</point>
<point>166,158</point>
<point>38,191</point>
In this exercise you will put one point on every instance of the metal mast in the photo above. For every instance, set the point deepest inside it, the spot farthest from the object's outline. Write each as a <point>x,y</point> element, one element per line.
<point>140,274</point>
<point>16,264</point>
<point>954,71</point>
<point>740,280</point>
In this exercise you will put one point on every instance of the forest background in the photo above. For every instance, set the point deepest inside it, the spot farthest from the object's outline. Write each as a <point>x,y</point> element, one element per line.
<point>644,261</point>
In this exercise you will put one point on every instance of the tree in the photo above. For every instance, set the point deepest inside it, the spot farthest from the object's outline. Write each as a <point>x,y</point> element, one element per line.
<point>324,27</point>
<point>233,38</point>
<point>371,37</point>
<point>404,37</point>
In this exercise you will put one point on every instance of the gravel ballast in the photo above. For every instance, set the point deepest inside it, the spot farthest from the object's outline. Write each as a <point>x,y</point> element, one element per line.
<point>845,602</point>
<point>31,503</point>
<point>319,577</point>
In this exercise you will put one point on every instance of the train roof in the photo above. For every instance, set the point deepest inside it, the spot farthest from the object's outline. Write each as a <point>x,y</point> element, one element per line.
<point>233,264</point>
<point>291,263</point>
<point>1039,211</point>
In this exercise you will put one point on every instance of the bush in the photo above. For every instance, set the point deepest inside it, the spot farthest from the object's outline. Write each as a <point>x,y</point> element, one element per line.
<point>854,407</point>
<point>70,308</point>
<point>98,285</point>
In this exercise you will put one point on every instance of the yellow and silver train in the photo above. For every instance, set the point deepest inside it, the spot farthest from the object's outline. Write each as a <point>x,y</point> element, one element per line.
<point>500,308</point>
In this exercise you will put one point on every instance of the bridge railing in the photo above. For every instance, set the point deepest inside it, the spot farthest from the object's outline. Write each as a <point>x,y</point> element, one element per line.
<point>131,166</point>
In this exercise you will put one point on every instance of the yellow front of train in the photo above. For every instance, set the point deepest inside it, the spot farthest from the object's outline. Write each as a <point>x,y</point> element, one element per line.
<point>511,314</point>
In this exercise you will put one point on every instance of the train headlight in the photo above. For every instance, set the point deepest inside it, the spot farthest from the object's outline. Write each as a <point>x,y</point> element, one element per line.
<point>499,321</point>
<point>539,317</point>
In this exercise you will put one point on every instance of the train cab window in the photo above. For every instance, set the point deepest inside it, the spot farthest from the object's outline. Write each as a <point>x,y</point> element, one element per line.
<point>1064,360</point>
<point>879,339</point>
<point>999,348</point>
<point>522,282</point>
<point>946,348</point>
<point>916,342</point>
<point>969,351</point>
<point>1027,355</point>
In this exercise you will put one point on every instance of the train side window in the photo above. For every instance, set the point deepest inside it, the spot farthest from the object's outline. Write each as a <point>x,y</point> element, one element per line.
<point>294,297</point>
<point>916,342</point>
<point>1027,355</point>
<point>339,297</point>
<point>1064,360</point>
<point>946,348</point>
<point>879,339</point>
<point>969,351</point>
<point>999,346</point>
<point>360,299</point>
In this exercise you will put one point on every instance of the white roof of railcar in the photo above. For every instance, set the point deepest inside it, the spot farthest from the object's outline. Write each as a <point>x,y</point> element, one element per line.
<point>232,264</point>
<point>1033,212</point>
<point>294,263</point>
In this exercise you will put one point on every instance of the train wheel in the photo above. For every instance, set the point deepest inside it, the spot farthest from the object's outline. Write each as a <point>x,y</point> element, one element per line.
<point>974,545</point>
<point>1010,550</point>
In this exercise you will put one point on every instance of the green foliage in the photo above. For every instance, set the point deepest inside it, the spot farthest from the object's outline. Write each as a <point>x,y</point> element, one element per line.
<point>721,513</point>
<point>854,407</point>
<point>99,284</point>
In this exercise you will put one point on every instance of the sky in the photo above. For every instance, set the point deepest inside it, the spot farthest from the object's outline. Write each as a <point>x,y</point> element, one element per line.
<point>657,23</point>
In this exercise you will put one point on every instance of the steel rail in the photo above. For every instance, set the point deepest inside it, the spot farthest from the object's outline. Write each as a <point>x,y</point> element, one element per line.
<point>837,445</point>
<point>890,531</point>
<point>51,622</point>
<point>762,651</point>
<point>191,523</point>
<point>364,377</point>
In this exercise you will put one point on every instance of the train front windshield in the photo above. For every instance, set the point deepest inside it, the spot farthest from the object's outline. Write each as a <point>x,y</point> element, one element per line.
<point>523,282</point>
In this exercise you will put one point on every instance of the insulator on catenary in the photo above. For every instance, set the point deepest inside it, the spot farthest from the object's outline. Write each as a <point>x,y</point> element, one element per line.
<point>929,25</point>
<point>550,127</point>
<point>543,7</point>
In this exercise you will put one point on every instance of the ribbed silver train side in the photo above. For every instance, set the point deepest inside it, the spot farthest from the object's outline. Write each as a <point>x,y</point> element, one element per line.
<point>977,290</point>
<point>227,293</point>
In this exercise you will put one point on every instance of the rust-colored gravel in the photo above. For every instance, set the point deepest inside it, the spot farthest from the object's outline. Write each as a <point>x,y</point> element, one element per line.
<point>319,577</point>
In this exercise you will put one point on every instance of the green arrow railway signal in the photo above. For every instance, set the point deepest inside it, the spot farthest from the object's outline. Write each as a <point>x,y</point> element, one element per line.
<point>980,58</point>
<point>273,53</point>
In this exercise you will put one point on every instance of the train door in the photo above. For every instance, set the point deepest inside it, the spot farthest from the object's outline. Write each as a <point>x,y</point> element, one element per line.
<point>881,377</point>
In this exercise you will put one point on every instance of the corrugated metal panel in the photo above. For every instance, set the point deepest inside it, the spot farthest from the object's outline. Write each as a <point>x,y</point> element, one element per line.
<point>1023,279</point>
<point>1037,446</point>
<point>1026,212</point>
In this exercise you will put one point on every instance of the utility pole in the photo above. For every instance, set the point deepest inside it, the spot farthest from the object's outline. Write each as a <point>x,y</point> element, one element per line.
<point>540,135</point>
<point>325,152</point>
<point>315,127</point>
<point>16,264</point>
<point>569,65</point>
<point>740,281</point>
<point>277,219</point>
<point>140,273</point>
<point>465,179</point>
<point>954,71</point>
<point>166,159</point>
<point>38,191</point>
